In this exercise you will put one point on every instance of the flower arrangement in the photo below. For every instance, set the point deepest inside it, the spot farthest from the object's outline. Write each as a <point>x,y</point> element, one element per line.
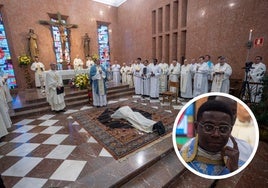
<point>81,81</point>
<point>24,59</point>
<point>95,57</point>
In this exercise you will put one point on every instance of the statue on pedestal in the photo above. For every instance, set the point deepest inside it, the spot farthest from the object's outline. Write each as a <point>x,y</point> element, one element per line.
<point>33,47</point>
<point>86,45</point>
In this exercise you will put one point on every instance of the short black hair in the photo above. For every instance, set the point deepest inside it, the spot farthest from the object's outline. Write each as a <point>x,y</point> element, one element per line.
<point>259,57</point>
<point>214,105</point>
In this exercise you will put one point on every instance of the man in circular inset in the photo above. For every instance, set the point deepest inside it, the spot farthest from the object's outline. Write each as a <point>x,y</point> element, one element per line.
<point>214,151</point>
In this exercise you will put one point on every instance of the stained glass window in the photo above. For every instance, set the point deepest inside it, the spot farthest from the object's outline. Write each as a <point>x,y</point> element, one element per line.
<point>57,43</point>
<point>104,47</point>
<point>6,66</point>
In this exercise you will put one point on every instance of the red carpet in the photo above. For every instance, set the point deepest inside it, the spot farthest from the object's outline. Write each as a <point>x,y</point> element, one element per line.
<point>117,136</point>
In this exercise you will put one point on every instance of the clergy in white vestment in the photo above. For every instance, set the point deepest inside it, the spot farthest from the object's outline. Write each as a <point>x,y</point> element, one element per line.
<point>129,70</point>
<point>174,73</point>
<point>145,75</point>
<point>3,129</point>
<point>163,77</point>
<point>78,63</point>
<point>38,69</point>
<point>256,74</point>
<point>116,72</point>
<point>186,80</point>
<point>4,77</point>
<point>123,72</point>
<point>55,89</point>
<point>221,74</point>
<point>89,62</point>
<point>201,77</point>
<point>244,128</point>
<point>137,75</point>
<point>98,84</point>
<point>6,121</point>
<point>154,80</point>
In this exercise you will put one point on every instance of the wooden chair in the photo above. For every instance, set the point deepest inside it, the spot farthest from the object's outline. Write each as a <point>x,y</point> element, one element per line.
<point>170,95</point>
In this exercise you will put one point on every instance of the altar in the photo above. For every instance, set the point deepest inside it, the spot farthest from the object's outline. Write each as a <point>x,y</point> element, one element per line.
<point>70,73</point>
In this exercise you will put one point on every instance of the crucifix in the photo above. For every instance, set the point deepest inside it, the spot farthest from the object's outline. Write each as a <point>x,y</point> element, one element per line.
<point>62,26</point>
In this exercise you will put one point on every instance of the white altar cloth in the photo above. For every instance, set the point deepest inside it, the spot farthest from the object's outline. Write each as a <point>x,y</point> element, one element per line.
<point>70,73</point>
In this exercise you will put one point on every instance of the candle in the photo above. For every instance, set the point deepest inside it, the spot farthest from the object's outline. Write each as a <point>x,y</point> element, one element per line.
<point>250,35</point>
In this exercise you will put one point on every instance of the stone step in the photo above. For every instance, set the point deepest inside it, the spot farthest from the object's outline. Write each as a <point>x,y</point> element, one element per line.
<point>160,174</point>
<point>43,102</point>
<point>73,98</point>
<point>125,168</point>
<point>46,109</point>
<point>189,179</point>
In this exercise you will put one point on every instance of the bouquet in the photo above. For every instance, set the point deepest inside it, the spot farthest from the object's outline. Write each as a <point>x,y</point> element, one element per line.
<point>95,57</point>
<point>24,60</point>
<point>81,81</point>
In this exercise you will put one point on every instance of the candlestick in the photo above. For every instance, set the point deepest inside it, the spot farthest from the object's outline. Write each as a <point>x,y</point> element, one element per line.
<point>250,35</point>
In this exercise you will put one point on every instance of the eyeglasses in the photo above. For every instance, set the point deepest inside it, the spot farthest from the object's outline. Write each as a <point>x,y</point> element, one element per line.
<point>209,128</point>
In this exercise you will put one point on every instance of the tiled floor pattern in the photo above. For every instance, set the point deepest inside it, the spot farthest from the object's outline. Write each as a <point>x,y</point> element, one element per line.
<point>51,150</point>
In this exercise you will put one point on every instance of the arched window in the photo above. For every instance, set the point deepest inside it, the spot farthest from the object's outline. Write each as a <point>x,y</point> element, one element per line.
<point>6,66</point>
<point>103,41</point>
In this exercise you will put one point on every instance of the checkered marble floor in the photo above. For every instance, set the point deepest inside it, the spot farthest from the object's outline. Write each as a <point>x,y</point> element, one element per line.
<point>51,150</point>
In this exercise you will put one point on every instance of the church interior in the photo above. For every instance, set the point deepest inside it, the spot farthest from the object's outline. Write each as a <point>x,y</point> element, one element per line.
<point>72,148</point>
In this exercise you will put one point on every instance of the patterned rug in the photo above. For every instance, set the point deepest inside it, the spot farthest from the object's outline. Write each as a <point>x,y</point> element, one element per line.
<point>118,136</point>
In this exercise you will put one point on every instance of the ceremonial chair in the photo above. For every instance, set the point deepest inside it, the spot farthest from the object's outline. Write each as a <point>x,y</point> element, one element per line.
<point>168,96</point>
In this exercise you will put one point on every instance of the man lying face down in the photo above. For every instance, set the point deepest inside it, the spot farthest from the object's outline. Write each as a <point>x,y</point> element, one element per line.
<point>214,151</point>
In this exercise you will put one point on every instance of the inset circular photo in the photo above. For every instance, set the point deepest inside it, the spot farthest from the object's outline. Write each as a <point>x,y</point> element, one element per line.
<point>215,135</point>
